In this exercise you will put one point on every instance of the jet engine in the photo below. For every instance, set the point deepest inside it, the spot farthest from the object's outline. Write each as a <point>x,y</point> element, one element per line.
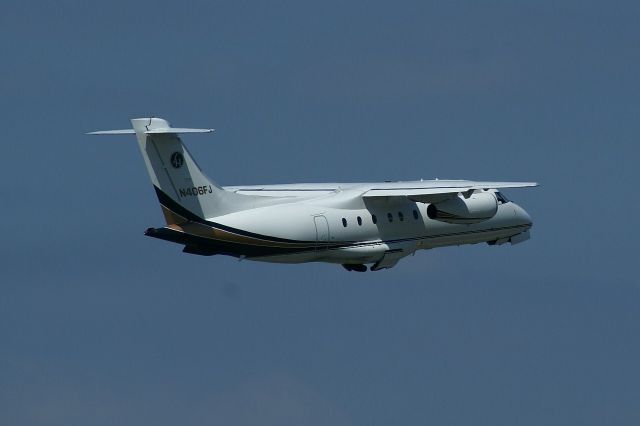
<point>477,207</point>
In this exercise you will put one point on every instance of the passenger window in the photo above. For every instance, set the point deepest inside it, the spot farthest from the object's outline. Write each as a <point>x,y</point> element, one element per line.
<point>401,216</point>
<point>415,214</point>
<point>344,222</point>
<point>359,221</point>
<point>374,219</point>
<point>390,217</point>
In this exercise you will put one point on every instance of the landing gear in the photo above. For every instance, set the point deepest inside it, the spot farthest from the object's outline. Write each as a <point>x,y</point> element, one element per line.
<point>357,268</point>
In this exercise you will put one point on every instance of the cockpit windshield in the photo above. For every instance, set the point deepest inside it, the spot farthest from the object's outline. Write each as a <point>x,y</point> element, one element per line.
<point>501,198</point>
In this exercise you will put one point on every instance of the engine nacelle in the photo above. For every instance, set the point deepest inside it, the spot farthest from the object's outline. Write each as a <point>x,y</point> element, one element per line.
<point>478,207</point>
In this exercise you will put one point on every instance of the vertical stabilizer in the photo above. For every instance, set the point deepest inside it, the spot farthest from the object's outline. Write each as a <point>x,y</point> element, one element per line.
<point>184,192</point>
<point>177,176</point>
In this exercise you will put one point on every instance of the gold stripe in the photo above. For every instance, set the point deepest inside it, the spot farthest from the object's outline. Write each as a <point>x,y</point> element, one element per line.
<point>181,224</point>
<point>170,217</point>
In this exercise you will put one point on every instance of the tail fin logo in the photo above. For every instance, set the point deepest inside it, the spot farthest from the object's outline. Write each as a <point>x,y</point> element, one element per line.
<point>177,160</point>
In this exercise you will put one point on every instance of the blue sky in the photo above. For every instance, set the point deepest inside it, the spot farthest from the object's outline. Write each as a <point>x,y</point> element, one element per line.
<point>101,325</point>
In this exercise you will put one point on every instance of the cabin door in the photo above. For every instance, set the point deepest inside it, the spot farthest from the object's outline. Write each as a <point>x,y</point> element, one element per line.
<point>322,231</point>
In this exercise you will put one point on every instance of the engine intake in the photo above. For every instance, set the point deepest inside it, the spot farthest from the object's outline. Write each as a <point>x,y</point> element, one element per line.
<point>478,207</point>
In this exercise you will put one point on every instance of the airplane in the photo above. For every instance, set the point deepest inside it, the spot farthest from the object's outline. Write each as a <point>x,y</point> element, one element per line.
<point>352,224</point>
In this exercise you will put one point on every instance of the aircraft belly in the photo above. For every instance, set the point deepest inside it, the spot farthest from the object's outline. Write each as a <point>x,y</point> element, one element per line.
<point>359,254</point>
<point>368,253</point>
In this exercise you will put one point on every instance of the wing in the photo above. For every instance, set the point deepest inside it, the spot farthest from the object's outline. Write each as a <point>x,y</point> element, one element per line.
<point>426,191</point>
<point>436,190</point>
<point>286,190</point>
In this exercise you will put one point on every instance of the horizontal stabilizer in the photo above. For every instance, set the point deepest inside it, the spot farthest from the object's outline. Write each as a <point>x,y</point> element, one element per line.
<point>114,132</point>
<point>159,131</point>
<point>167,130</point>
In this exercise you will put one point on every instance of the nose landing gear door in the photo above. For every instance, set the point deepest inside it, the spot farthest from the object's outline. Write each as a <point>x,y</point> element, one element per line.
<point>322,232</point>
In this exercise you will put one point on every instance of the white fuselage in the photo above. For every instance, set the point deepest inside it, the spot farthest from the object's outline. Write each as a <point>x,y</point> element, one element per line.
<point>342,226</point>
<point>353,224</point>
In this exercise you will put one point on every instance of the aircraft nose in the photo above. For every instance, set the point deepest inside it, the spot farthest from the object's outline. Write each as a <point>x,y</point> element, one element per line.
<point>522,215</point>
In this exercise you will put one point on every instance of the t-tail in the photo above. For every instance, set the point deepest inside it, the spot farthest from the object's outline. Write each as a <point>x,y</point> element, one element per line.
<point>184,192</point>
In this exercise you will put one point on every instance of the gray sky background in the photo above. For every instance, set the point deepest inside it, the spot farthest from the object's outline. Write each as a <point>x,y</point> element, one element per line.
<point>101,325</point>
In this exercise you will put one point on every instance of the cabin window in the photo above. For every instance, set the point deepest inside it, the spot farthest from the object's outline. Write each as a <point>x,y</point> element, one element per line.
<point>374,219</point>
<point>390,217</point>
<point>344,222</point>
<point>359,221</point>
<point>415,214</point>
<point>400,216</point>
